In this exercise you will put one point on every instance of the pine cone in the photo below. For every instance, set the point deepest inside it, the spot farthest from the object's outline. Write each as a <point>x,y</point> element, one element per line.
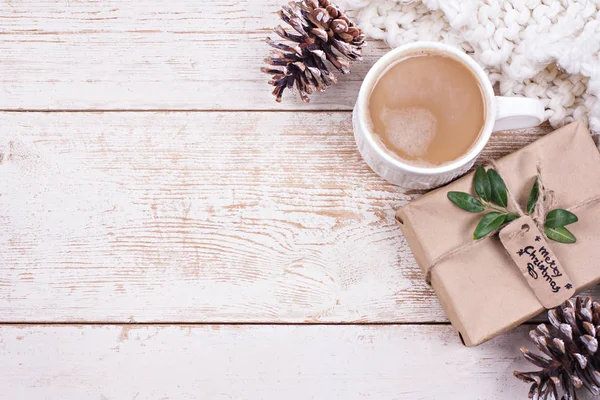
<point>570,357</point>
<point>322,32</point>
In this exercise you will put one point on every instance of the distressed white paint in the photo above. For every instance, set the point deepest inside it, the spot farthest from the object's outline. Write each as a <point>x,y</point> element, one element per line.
<point>257,362</point>
<point>203,217</point>
<point>148,54</point>
<point>196,217</point>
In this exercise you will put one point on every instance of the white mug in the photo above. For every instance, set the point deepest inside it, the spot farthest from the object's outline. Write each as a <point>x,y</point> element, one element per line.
<point>501,113</point>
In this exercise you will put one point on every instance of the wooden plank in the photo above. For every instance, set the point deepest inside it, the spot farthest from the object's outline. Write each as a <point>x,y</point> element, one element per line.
<point>195,217</point>
<point>258,362</point>
<point>263,217</point>
<point>148,54</point>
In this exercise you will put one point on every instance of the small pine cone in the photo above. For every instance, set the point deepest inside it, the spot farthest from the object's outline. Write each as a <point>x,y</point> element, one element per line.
<point>570,358</point>
<point>322,32</point>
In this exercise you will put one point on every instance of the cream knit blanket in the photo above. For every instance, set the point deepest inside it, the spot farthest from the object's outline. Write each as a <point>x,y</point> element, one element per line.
<point>547,49</point>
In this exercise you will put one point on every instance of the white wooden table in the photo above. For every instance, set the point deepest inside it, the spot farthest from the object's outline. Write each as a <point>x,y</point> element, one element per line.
<point>168,231</point>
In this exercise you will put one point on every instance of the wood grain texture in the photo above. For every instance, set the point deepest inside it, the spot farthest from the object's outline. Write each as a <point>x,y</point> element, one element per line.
<point>249,214</point>
<point>148,54</point>
<point>257,362</point>
<point>202,217</point>
<point>195,217</point>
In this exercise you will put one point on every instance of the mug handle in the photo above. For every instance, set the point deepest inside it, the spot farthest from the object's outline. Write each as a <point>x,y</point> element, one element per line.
<point>518,113</point>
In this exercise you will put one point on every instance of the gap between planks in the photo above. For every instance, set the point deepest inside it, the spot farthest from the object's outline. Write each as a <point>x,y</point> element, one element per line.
<point>171,323</point>
<point>176,110</point>
<point>223,323</point>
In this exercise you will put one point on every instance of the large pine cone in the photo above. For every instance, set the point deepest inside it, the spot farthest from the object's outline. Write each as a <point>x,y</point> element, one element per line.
<point>570,357</point>
<point>322,33</point>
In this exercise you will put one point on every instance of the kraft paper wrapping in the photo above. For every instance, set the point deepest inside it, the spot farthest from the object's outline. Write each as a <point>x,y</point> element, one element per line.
<point>481,289</point>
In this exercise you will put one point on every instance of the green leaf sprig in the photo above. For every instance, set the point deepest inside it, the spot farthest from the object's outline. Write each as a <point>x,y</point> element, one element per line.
<point>492,196</point>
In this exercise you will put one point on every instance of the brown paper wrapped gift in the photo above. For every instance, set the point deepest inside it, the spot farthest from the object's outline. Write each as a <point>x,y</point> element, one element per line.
<point>481,289</point>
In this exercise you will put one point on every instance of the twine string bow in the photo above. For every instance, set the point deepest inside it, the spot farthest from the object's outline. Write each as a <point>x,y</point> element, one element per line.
<point>546,201</point>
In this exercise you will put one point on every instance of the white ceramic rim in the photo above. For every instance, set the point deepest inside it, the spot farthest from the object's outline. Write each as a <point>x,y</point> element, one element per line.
<point>384,62</point>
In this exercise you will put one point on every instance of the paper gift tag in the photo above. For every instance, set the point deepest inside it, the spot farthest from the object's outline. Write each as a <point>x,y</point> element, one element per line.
<point>540,267</point>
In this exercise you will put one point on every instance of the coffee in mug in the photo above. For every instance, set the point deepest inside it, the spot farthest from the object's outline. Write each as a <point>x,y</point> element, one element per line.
<point>428,109</point>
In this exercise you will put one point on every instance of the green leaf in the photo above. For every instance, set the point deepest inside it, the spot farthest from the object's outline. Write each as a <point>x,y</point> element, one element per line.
<point>466,202</point>
<point>560,217</point>
<point>533,197</point>
<point>489,223</point>
<point>482,184</point>
<point>511,217</point>
<point>499,192</point>
<point>560,234</point>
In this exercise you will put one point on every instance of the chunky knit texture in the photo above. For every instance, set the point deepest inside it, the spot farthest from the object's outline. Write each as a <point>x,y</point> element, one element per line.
<point>547,49</point>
